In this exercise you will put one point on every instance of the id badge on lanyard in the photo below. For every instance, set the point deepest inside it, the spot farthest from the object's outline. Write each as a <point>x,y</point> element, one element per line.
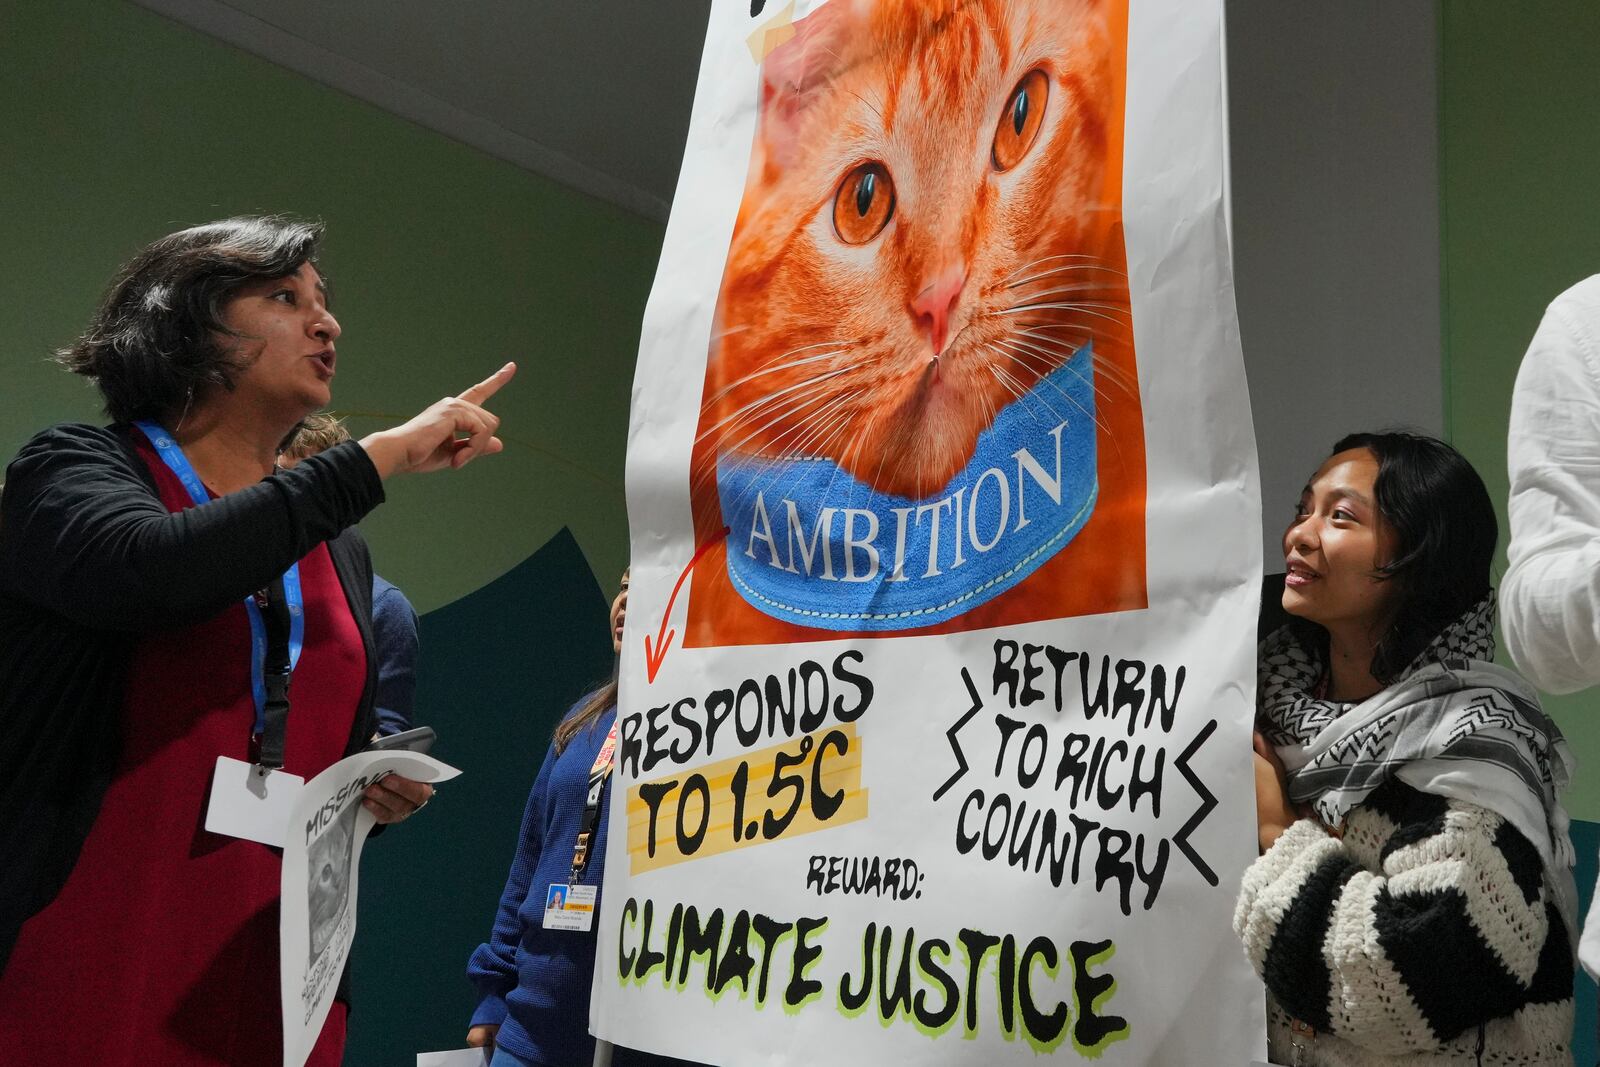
<point>571,906</point>
<point>253,800</point>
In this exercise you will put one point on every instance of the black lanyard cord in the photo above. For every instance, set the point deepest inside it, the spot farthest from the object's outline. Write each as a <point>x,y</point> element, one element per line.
<point>276,669</point>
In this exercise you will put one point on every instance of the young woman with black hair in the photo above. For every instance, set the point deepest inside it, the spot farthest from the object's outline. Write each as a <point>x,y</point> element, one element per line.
<point>1414,897</point>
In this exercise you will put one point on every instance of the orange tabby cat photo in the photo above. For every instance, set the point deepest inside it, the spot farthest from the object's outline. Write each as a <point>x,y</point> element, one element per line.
<point>921,408</point>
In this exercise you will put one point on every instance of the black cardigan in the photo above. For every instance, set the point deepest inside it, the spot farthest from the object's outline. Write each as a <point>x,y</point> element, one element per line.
<point>90,559</point>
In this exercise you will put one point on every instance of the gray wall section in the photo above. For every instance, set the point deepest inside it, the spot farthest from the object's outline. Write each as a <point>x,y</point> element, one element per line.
<point>1334,115</point>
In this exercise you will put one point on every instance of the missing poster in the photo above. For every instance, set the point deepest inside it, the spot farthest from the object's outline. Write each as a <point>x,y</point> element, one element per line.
<point>321,860</point>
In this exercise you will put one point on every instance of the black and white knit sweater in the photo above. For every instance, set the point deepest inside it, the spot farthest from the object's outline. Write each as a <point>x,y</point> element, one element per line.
<point>1428,934</point>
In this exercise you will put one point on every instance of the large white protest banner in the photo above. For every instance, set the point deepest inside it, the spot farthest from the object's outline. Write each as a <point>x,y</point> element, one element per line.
<point>938,676</point>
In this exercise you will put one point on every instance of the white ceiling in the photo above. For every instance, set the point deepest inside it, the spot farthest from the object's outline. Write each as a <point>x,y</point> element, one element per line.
<point>595,96</point>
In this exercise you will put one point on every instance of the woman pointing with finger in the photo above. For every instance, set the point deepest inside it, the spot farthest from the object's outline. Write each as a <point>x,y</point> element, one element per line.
<point>170,602</point>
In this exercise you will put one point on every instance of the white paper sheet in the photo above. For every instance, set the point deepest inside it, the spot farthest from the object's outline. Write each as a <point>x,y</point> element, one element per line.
<point>321,862</point>
<point>463,1057</point>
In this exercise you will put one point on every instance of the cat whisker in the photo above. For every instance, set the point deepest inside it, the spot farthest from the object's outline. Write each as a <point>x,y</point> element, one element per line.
<point>1068,397</point>
<point>1115,441</point>
<point>990,412</point>
<point>1059,349</point>
<point>1087,381</point>
<point>815,425</point>
<point>1064,347</point>
<point>803,429</point>
<point>1065,343</point>
<point>1050,259</point>
<point>795,406</point>
<point>1052,358</point>
<point>1059,290</point>
<point>1061,360</point>
<point>737,447</point>
<point>804,448</point>
<point>1086,334</point>
<point>1103,366</point>
<point>1022,389</point>
<point>1011,385</point>
<point>1072,316</point>
<point>772,397</point>
<point>847,462</point>
<point>803,408</point>
<point>1115,283</point>
<point>1037,365</point>
<point>840,426</point>
<point>1078,336</point>
<point>1099,289</point>
<point>1095,310</point>
<point>844,342</point>
<point>793,409</point>
<point>772,366</point>
<point>883,458</point>
<point>781,361</point>
<point>1076,321</point>
<point>1117,376</point>
<point>828,434</point>
<point>870,105</point>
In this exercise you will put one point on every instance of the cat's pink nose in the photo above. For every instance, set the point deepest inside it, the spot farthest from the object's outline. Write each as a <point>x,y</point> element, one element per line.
<point>934,307</point>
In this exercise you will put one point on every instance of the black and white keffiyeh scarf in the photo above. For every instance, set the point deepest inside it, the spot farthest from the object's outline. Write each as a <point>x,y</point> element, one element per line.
<point>1454,725</point>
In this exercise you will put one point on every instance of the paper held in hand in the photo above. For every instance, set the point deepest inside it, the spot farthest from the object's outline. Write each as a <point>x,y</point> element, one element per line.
<point>321,857</point>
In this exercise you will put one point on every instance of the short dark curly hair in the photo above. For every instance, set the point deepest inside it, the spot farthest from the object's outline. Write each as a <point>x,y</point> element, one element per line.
<point>154,341</point>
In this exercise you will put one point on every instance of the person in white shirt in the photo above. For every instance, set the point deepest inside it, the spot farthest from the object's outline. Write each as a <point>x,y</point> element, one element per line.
<point>1550,597</point>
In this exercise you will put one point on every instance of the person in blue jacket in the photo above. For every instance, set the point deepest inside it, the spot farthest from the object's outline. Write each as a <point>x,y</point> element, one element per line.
<point>533,974</point>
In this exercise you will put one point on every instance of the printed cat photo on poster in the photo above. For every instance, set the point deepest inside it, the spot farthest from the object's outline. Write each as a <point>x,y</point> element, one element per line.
<point>329,859</point>
<point>921,409</point>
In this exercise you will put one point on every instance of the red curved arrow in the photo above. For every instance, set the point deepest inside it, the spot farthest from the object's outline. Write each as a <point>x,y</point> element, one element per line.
<point>654,656</point>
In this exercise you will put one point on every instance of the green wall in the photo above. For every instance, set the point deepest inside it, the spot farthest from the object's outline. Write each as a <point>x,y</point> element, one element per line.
<point>1520,201</point>
<point>1519,132</point>
<point>117,126</point>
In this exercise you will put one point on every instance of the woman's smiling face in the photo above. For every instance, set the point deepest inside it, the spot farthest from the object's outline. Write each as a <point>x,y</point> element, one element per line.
<point>1335,545</point>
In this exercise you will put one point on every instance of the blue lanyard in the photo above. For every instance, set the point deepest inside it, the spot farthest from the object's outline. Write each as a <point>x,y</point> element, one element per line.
<point>172,455</point>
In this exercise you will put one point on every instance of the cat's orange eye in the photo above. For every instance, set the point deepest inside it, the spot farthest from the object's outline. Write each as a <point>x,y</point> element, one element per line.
<point>864,203</point>
<point>1020,121</point>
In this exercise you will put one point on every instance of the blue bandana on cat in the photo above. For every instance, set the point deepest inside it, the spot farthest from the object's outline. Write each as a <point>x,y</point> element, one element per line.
<point>810,544</point>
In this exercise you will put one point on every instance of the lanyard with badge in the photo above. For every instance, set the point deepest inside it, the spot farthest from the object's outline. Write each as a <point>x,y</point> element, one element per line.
<point>571,906</point>
<point>252,800</point>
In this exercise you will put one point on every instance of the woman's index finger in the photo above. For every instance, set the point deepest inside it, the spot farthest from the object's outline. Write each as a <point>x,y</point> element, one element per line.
<point>490,385</point>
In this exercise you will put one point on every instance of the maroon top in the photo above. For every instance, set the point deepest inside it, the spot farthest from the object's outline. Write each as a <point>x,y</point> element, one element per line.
<point>163,945</point>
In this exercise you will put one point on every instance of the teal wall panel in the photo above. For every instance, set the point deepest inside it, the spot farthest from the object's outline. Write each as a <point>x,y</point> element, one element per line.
<point>1586,1024</point>
<point>497,669</point>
